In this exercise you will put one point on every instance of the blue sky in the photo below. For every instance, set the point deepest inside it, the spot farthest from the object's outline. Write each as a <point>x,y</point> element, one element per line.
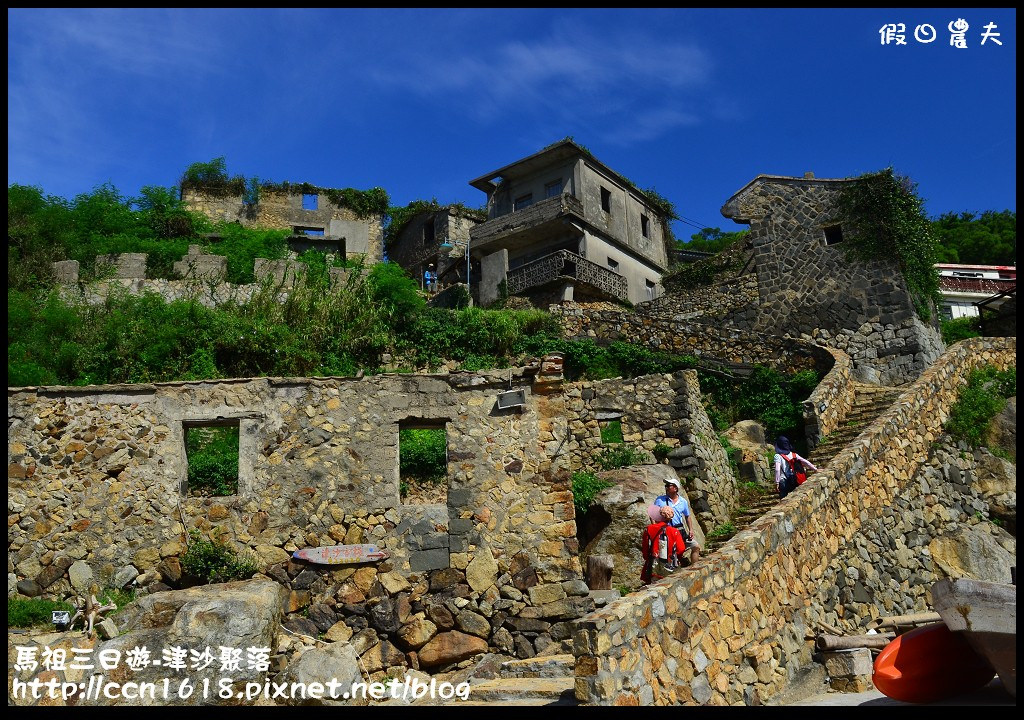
<point>694,103</point>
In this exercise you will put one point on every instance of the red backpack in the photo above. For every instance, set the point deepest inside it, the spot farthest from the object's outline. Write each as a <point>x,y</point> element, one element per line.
<point>796,469</point>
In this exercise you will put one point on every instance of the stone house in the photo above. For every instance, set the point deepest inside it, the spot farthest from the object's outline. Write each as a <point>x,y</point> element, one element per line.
<point>304,209</point>
<point>807,286</point>
<point>436,237</point>
<point>562,219</point>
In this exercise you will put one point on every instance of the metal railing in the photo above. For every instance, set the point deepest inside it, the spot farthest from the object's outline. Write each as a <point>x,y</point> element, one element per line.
<point>564,264</point>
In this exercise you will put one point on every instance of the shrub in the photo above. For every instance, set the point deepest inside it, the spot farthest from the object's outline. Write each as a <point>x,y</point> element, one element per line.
<point>621,456</point>
<point>29,612</point>
<point>585,485</point>
<point>212,460</point>
<point>213,561</point>
<point>661,451</point>
<point>960,329</point>
<point>611,432</point>
<point>423,454</point>
<point>980,400</point>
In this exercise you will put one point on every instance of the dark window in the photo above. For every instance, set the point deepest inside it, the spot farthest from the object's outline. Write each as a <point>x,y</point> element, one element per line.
<point>428,231</point>
<point>606,200</point>
<point>553,189</point>
<point>309,201</point>
<point>212,456</point>
<point>613,264</point>
<point>833,234</point>
<point>524,201</point>
<point>651,288</point>
<point>645,226</point>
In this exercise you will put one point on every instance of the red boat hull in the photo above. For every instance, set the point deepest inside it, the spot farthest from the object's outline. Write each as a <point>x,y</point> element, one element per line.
<point>929,664</point>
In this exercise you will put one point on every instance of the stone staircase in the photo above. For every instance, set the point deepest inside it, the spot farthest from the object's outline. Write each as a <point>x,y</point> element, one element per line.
<point>541,680</point>
<point>869,402</point>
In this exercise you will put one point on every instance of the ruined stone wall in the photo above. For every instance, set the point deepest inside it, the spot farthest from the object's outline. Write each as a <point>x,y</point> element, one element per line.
<point>731,629</point>
<point>733,301</point>
<point>282,209</point>
<point>652,410</point>
<point>811,289</point>
<point>96,477</point>
<point>203,279</point>
<point>825,408</point>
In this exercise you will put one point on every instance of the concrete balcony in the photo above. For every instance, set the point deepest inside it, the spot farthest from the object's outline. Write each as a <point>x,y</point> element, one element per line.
<point>545,220</point>
<point>565,266</point>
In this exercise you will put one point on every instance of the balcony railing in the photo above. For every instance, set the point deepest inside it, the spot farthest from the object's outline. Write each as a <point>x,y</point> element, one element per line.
<point>548,212</point>
<point>565,265</point>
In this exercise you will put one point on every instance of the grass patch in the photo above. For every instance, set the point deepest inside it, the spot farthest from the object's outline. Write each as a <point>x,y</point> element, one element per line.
<point>619,457</point>
<point>585,485</point>
<point>980,400</point>
<point>33,612</point>
<point>213,561</point>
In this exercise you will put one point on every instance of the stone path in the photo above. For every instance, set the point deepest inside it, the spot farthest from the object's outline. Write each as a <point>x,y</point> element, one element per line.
<point>541,680</point>
<point>869,402</point>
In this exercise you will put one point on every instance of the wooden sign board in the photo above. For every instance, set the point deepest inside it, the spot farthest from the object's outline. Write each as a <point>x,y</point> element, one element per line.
<point>341,554</point>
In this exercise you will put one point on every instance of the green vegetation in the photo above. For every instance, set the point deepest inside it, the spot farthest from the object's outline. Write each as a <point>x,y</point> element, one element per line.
<point>661,451</point>
<point>33,612</point>
<point>623,455</point>
<point>768,396</point>
<point>883,217</point>
<point>722,531</point>
<point>212,460</point>
<point>399,216</point>
<point>960,329</point>
<point>585,485</point>
<point>980,400</point>
<point>712,240</point>
<point>972,239</point>
<point>611,432</point>
<point>213,561</point>
<point>423,454</point>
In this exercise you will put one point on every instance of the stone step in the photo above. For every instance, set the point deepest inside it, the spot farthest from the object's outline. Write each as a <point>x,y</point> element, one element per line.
<point>554,690</point>
<point>551,666</point>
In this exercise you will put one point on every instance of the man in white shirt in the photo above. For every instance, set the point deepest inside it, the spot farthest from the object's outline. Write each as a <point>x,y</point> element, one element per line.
<point>681,516</point>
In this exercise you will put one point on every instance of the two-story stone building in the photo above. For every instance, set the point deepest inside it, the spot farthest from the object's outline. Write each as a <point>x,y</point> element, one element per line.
<point>562,220</point>
<point>436,240</point>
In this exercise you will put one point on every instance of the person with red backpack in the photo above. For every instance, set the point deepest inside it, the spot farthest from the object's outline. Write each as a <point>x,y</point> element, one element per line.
<point>661,545</point>
<point>789,467</point>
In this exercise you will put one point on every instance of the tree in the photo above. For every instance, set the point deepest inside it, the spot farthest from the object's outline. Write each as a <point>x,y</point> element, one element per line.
<point>986,239</point>
<point>712,240</point>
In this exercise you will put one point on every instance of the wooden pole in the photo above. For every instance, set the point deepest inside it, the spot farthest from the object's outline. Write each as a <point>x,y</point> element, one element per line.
<point>902,620</point>
<point>599,572</point>
<point>849,642</point>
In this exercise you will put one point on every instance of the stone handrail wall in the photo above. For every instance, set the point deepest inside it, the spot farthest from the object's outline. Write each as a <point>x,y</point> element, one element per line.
<point>541,212</point>
<point>565,264</point>
<point>733,301</point>
<point>825,408</point>
<point>730,629</point>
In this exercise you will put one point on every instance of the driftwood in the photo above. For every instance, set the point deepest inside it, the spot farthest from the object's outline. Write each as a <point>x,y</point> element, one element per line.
<point>599,572</point>
<point>896,621</point>
<point>850,642</point>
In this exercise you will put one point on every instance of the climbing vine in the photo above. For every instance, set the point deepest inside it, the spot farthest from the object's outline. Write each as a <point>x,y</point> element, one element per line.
<point>883,217</point>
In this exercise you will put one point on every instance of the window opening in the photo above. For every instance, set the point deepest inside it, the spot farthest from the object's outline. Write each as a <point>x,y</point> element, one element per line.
<point>310,201</point>
<point>524,201</point>
<point>644,226</point>
<point>613,264</point>
<point>428,231</point>
<point>212,455</point>
<point>651,288</point>
<point>312,231</point>
<point>553,189</point>
<point>606,200</point>
<point>423,465</point>
<point>833,235</point>
<point>611,432</point>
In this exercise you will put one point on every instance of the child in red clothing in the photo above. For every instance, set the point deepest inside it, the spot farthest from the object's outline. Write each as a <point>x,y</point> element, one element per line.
<point>661,558</point>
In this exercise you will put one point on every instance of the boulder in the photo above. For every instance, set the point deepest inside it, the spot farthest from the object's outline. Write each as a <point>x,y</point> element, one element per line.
<point>417,632</point>
<point>337,661</point>
<point>754,460</point>
<point>618,515</point>
<point>1002,430</point>
<point>238,615</point>
<point>482,570</point>
<point>450,647</point>
<point>971,553</point>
